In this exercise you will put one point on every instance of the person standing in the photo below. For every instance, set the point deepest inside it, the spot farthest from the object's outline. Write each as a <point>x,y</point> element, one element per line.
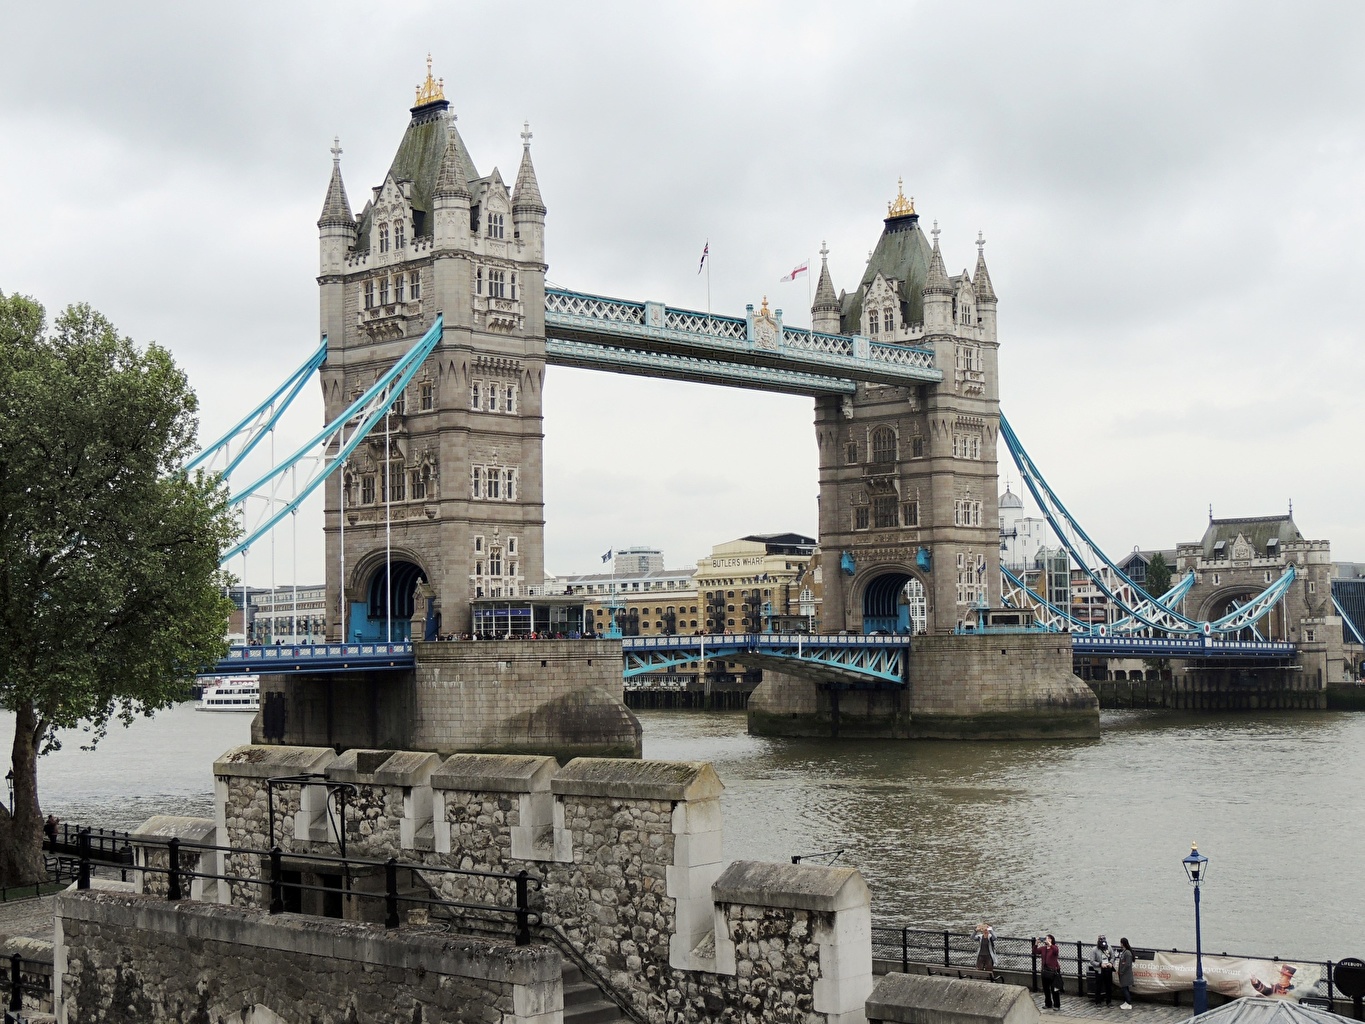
<point>986,958</point>
<point>1125,966</point>
<point>1102,967</point>
<point>1051,957</point>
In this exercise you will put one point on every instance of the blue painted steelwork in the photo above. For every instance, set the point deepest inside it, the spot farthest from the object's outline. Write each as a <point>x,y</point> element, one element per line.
<point>1112,581</point>
<point>1189,647</point>
<point>330,448</point>
<point>315,658</point>
<point>625,336</point>
<point>256,424</point>
<point>1016,594</point>
<point>875,659</point>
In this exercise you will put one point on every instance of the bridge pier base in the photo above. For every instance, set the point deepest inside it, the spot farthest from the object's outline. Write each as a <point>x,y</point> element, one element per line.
<point>1003,686</point>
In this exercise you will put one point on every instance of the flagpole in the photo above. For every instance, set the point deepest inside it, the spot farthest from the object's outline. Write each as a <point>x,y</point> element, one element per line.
<point>810,299</point>
<point>708,280</point>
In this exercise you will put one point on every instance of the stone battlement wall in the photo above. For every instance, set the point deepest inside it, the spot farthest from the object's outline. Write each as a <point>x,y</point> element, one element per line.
<point>629,857</point>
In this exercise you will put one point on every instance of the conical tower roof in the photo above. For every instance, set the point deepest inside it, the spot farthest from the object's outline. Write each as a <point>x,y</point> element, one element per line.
<point>825,299</point>
<point>526,192</point>
<point>336,208</point>
<point>901,254</point>
<point>981,280</point>
<point>451,181</point>
<point>936,281</point>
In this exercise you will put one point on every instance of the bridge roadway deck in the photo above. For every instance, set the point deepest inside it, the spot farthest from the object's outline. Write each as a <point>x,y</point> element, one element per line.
<point>649,338</point>
<point>854,658</point>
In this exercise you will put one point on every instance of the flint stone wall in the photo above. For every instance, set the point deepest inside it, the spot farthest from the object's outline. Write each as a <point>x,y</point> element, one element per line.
<point>125,959</point>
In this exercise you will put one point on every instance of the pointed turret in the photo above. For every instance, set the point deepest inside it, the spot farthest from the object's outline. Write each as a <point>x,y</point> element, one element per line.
<point>985,291</point>
<point>938,291</point>
<point>528,209</point>
<point>336,208</point>
<point>451,196</point>
<point>824,311</point>
<point>451,182</point>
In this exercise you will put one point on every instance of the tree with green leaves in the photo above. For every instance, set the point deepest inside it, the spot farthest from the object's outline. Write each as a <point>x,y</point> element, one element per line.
<point>111,596</point>
<point>1158,576</point>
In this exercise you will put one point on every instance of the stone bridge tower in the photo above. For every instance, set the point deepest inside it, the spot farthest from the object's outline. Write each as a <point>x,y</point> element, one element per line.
<point>449,489</point>
<point>908,520</point>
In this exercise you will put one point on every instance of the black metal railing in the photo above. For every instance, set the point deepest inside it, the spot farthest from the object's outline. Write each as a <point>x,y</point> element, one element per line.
<point>105,845</point>
<point>25,977</point>
<point>910,946</point>
<point>180,875</point>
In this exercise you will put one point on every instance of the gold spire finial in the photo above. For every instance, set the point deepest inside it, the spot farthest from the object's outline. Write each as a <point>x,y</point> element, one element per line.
<point>764,310</point>
<point>902,207</point>
<point>430,91</point>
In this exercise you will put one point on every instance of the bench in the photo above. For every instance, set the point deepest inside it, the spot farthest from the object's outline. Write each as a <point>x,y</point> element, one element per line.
<point>965,973</point>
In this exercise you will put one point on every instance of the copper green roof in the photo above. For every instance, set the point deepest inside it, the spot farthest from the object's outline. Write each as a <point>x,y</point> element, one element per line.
<point>902,254</point>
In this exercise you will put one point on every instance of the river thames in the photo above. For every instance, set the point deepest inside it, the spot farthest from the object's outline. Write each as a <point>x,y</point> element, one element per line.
<point>1072,837</point>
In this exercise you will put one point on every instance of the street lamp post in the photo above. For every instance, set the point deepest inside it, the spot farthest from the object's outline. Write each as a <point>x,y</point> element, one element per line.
<point>1196,867</point>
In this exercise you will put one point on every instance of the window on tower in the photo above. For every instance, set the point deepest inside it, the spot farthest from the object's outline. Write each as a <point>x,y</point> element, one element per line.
<point>475,395</point>
<point>513,281</point>
<point>860,518</point>
<point>883,445</point>
<point>477,486</point>
<point>884,511</point>
<point>427,391</point>
<point>419,486</point>
<point>495,225</point>
<point>367,489</point>
<point>910,513</point>
<point>510,397</point>
<point>400,236</point>
<point>415,285</point>
<point>888,320</point>
<point>478,281</point>
<point>383,238</point>
<point>497,284</point>
<point>369,294</point>
<point>398,283</point>
<point>872,322</point>
<point>383,291</point>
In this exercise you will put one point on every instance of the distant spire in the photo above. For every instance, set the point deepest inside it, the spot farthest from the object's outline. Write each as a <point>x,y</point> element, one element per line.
<point>825,299</point>
<point>1210,511</point>
<point>336,208</point>
<point>451,182</point>
<point>936,282</point>
<point>981,280</point>
<point>526,192</point>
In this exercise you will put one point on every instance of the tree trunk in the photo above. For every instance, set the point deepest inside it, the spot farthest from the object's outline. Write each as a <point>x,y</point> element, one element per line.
<point>21,827</point>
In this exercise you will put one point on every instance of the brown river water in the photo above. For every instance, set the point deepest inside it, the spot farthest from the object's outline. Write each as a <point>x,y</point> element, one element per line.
<point>1075,838</point>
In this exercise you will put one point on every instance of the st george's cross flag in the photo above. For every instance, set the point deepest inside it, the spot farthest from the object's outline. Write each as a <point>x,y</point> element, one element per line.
<point>706,251</point>
<point>795,273</point>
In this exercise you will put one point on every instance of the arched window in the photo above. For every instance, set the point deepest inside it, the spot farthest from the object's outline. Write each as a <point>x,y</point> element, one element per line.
<point>872,322</point>
<point>495,562</point>
<point>415,285</point>
<point>495,225</point>
<point>383,238</point>
<point>398,287</point>
<point>883,445</point>
<point>478,281</point>
<point>478,482</point>
<point>888,320</point>
<point>383,291</point>
<point>369,294</point>
<point>400,236</point>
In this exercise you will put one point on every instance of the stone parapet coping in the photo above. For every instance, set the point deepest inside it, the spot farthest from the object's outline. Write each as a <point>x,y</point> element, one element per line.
<point>495,773</point>
<point>264,761</point>
<point>918,999</point>
<point>171,826</point>
<point>407,768</point>
<point>368,944</point>
<point>638,780</point>
<point>791,886</point>
<point>358,764</point>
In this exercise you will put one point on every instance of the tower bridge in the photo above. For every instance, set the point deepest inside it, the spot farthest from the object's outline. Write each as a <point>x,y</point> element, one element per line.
<point>438,327</point>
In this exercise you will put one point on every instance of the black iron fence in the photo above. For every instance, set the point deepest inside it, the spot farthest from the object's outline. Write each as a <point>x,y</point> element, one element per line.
<point>180,875</point>
<point>910,946</point>
<point>32,978</point>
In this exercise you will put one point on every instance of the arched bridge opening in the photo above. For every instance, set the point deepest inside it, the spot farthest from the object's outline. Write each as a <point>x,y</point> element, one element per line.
<point>895,602</point>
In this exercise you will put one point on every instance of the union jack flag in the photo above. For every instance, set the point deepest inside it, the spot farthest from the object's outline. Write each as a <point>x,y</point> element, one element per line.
<point>705,251</point>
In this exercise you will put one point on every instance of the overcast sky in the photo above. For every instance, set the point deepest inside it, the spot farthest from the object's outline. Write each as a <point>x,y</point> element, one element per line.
<point>1171,196</point>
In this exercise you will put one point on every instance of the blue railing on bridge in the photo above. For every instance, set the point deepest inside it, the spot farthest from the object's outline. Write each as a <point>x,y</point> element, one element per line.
<point>315,658</point>
<point>1182,647</point>
<point>757,641</point>
<point>856,659</point>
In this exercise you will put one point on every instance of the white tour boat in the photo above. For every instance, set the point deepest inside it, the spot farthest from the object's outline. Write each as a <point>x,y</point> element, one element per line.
<point>232,693</point>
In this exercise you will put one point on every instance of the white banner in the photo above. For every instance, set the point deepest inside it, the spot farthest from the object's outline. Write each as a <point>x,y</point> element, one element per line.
<point>1230,976</point>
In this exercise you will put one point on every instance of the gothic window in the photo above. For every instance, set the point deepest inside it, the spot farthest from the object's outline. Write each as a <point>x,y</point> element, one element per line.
<point>383,238</point>
<point>478,281</point>
<point>400,404</point>
<point>917,447</point>
<point>400,237</point>
<point>496,284</point>
<point>415,285</point>
<point>495,562</point>
<point>513,281</point>
<point>910,513</point>
<point>511,489</point>
<point>398,282</point>
<point>512,569</point>
<point>888,320</point>
<point>511,545</point>
<point>883,445</point>
<point>492,398</point>
<point>884,511</point>
<point>419,486</point>
<point>383,291</point>
<point>369,294</point>
<point>475,395</point>
<point>495,225</point>
<point>427,391</point>
<point>477,488</point>
<point>860,518</point>
<point>478,542</point>
<point>494,483</point>
<point>872,322</point>
<point>394,474</point>
<point>510,399</point>
<point>367,489</point>
<point>966,512</point>
<point>851,455</point>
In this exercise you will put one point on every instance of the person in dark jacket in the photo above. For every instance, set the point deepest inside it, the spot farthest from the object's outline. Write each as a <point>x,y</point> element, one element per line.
<point>1050,956</point>
<point>1102,968</point>
<point>1125,968</point>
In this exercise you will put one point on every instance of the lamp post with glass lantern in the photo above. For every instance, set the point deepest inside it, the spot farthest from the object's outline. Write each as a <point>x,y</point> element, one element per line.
<point>1196,867</point>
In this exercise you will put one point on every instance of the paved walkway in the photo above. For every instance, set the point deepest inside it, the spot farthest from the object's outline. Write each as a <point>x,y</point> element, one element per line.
<point>1083,1011</point>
